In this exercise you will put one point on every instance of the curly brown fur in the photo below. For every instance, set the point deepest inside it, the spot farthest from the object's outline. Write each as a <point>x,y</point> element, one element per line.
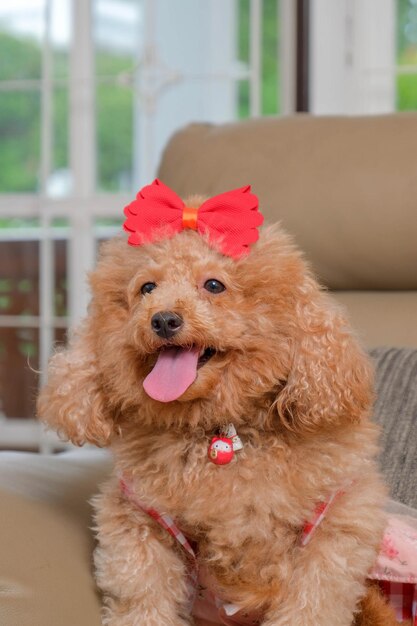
<point>291,377</point>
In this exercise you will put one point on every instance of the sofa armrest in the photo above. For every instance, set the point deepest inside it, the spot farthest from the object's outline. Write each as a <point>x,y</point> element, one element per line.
<point>46,541</point>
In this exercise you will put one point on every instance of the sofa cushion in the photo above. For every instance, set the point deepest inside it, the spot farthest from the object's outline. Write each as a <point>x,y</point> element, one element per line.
<point>396,411</point>
<point>46,542</point>
<point>345,187</point>
<point>388,316</point>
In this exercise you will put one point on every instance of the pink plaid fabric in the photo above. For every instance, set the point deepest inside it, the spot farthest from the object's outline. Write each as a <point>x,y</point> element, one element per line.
<point>163,519</point>
<point>403,599</point>
<point>396,566</point>
<point>395,570</point>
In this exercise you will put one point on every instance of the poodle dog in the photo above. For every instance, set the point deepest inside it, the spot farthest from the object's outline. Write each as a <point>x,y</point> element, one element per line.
<point>189,342</point>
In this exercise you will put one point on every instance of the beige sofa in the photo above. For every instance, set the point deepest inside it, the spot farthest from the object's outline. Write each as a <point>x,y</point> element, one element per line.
<point>347,189</point>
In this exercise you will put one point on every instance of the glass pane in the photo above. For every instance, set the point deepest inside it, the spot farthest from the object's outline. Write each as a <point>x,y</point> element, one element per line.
<point>19,267</point>
<point>270,82</point>
<point>25,17</point>
<point>61,337</point>
<point>21,57</point>
<point>60,29</point>
<point>19,273</point>
<point>407,92</point>
<point>20,141</point>
<point>114,108</point>
<point>270,66</point>
<point>59,181</point>
<point>243,56</point>
<point>407,55</point>
<point>116,35</point>
<point>19,363</point>
<point>19,296</point>
<point>22,31</point>
<point>21,26</point>
<point>61,287</point>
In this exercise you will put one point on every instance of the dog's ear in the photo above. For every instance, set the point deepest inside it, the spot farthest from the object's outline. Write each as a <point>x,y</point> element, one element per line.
<point>72,401</point>
<point>330,377</point>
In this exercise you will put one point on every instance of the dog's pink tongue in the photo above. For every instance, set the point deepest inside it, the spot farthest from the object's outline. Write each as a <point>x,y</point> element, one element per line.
<point>172,374</point>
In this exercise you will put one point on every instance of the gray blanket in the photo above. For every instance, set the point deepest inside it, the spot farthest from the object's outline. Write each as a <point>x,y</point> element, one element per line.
<point>396,411</point>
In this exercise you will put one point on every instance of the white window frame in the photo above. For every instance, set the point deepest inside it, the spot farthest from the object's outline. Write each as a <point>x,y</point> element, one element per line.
<point>353,56</point>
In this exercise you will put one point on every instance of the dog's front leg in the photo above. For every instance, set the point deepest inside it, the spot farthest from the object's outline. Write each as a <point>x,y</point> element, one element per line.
<point>326,584</point>
<point>142,577</point>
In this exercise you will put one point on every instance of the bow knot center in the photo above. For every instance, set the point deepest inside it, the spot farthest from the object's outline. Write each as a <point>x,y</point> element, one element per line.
<point>189,217</point>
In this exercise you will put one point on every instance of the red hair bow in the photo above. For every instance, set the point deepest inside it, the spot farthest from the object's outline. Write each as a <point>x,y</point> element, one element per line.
<point>231,218</point>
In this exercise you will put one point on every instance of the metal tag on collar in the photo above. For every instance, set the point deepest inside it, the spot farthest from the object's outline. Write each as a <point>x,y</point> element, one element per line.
<point>229,431</point>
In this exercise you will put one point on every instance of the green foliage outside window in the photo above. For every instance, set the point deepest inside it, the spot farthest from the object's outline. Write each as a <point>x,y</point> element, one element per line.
<point>20,109</point>
<point>270,104</point>
<point>19,116</point>
<point>407,54</point>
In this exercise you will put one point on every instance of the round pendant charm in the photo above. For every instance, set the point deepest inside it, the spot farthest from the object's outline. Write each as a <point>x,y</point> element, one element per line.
<point>220,450</point>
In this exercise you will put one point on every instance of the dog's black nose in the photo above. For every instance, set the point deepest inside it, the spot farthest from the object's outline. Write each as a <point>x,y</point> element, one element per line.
<point>166,324</point>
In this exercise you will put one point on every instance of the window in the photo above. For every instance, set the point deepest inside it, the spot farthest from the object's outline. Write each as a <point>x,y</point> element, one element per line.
<point>406,55</point>
<point>90,91</point>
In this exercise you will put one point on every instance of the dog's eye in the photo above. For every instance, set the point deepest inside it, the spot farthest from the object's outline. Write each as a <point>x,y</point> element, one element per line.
<point>147,288</point>
<point>214,286</point>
